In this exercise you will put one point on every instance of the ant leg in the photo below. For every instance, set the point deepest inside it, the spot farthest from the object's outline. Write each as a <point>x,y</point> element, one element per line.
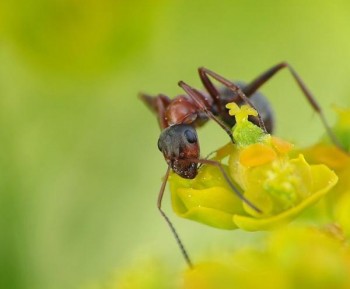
<point>221,153</point>
<point>228,180</point>
<point>252,87</point>
<point>208,157</point>
<point>170,224</point>
<point>198,99</point>
<point>264,77</point>
<point>210,87</point>
<point>235,88</point>
<point>158,105</point>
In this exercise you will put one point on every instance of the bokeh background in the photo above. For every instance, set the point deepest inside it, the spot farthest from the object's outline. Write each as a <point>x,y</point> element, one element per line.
<point>80,170</point>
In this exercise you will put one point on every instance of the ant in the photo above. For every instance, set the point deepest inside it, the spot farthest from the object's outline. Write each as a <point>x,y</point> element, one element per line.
<point>178,118</point>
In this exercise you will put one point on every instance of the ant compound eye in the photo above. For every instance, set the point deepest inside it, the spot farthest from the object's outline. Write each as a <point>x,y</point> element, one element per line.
<point>191,136</point>
<point>159,146</point>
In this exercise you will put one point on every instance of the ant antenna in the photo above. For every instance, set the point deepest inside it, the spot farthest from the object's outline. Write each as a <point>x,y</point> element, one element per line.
<point>170,224</point>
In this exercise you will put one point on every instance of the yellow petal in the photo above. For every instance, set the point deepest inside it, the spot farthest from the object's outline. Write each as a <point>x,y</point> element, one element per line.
<point>281,145</point>
<point>210,217</point>
<point>256,155</point>
<point>218,198</point>
<point>324,180</point>
<point>213,206</point>
<point>329,155</point>
<point>342,214</point>
<point>224,151</point>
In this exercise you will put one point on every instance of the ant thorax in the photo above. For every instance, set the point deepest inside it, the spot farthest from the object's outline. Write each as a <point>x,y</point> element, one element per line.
<point>181,110</point>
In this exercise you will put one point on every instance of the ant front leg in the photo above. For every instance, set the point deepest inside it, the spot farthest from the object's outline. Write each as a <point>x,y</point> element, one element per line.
<point>204,73</point>
<point>198,98</point>
<point>237,192</point>
<point>157,104</point>
<point>265,76</point>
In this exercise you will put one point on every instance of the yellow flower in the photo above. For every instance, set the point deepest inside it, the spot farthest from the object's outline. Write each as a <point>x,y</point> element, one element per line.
<point>280,186</point>
<point>293,257</point>
<point>206,199</point>
<point>338,203</point>
<point>290,258</point>
<point>144,274</point>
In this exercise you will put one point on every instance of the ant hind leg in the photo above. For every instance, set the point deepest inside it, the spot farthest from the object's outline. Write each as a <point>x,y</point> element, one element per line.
<point>265,76</point>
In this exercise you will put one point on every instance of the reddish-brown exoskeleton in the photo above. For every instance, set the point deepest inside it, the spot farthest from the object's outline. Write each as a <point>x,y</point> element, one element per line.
<point>178,118</point>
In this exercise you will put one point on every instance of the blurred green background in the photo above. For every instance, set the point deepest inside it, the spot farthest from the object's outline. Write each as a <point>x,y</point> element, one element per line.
<point>80,169</point>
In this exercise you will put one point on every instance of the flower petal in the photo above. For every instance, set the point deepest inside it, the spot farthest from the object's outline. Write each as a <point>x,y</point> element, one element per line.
<point>324,180</point>
<point>256,155</point>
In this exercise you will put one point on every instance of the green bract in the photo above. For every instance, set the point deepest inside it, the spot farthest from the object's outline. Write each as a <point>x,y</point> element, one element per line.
<point>259,164</point>
<point>246,133</point>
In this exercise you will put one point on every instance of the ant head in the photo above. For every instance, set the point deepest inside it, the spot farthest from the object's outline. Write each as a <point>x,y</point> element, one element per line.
<point>179,145</point>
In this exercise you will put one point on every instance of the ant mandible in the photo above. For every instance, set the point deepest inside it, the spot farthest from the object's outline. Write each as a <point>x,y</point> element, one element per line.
<point>179,117</point>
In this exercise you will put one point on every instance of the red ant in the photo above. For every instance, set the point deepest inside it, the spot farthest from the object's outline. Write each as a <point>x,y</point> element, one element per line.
<point>178,118</point>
